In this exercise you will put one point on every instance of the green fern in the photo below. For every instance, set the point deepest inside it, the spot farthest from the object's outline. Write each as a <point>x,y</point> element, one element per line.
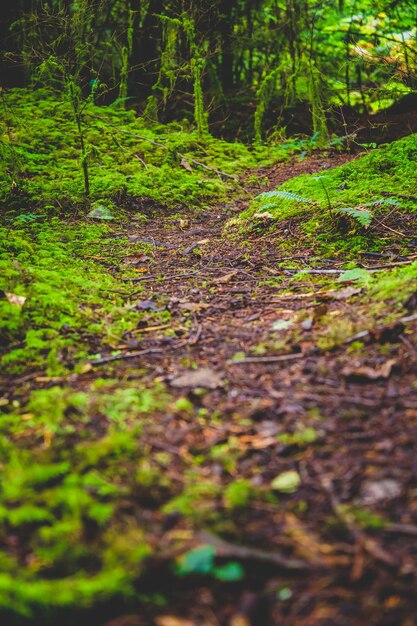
<point>362,216</point>
<point>287,195</point>
<point>384,202</point>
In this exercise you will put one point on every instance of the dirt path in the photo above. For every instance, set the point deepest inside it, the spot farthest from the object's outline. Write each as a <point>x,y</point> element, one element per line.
<point>261,387</point>
<point>340,547</point>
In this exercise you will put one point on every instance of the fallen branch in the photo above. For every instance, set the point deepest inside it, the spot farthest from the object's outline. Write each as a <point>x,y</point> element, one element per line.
<point>392,230</point>
<point>401,529</point>
<point>124,356</point>
<point>267,359</point>
<point>368,544</point>
<point>224,548</point>
<point>158,277</point>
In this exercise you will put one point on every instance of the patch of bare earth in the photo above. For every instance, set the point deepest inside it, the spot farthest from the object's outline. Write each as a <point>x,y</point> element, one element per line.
<point>342,548</point>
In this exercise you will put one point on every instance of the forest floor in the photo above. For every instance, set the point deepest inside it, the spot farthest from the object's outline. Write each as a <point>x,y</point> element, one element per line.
<point>295,447</point>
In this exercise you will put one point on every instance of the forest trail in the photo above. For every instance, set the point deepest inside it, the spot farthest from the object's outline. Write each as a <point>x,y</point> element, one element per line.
<point>336,427</point>
<point>236,432</point>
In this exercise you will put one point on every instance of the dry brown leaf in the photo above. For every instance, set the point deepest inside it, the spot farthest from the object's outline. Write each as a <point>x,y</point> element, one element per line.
<point>369,372</point>
<point>194,307</point>
<point>172,620</point>
<point>186,165</point>
<point>203,377</point>
<point>226,278</point>
<point>308,545</point>
<point>239,619</point>
<point>344,294</point>
<point>14,299</point>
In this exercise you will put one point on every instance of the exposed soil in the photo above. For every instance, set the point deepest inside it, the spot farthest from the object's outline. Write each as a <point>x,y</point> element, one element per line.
<point>311,560</point>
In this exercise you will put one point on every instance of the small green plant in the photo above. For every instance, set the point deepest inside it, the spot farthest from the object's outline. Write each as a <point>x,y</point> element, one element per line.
<point>202,561</point>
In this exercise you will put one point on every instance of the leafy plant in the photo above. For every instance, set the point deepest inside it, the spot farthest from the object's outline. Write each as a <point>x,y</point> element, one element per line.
<point>201,561</point>
<point>362,216</point>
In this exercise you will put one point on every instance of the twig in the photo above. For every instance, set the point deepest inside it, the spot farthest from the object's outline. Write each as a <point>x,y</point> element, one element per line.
<point>195,339</point>
<point>408,344</point>
<point>371,270</point>
<point>392,230</point>
<point>366,543</point>
<point>122,357</point>
<point>142,161</point>
<point>387,265</point>
<point>242,552</point>
<point>403,529</point>
<point>267,359</point>
<point>143,279</point>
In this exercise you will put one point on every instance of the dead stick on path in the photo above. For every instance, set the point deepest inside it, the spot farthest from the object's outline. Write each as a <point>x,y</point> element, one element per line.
<point>160,278</point>
<point>227,549</point>
<point>368,544</point>
<point>392,230</point>
<point>268,359</point>
<point>128,355</point>
<point>133,355</point>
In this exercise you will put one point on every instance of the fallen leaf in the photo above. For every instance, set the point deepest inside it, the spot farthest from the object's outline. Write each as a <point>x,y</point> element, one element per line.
<point>264,216</point>
<point>347,292</point>
<point>374,491</point>
<point>172,620</point>
<point>226,278</point>
<point>282,324</point>
<point>203,377</point>
<point>135,259</point>
<point>100,213</point>
<point>287,482</point>
<point>307,324</point>
<point>194,307</point>
<point>147,305</point>
<point>368,372</point>
<point>355,274</point>
<point>14,299</point>
<point>186,165</point>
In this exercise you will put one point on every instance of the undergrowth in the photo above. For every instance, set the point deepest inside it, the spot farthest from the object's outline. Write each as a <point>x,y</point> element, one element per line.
<point>343,210</point>
<point>72,304</point>
<point>127,157</point>
<point>68,463</point>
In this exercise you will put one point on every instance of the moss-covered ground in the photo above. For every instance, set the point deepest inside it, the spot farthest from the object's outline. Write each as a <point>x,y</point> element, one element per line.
<point>366,205</point>
<point>116,472</point>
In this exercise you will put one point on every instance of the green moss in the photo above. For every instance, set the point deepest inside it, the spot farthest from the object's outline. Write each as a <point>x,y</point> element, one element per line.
<point>70,295</point>
<point>338,209</point>
<point>126,156</point>
<point>58,488</point>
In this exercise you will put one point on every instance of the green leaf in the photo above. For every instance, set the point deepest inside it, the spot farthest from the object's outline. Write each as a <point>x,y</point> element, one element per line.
<point>100,213</point>
<point>198,561</point>
<point>230,572</point>
<point>356,274</point>
<point>282,324</point>
<point>287,482</point>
